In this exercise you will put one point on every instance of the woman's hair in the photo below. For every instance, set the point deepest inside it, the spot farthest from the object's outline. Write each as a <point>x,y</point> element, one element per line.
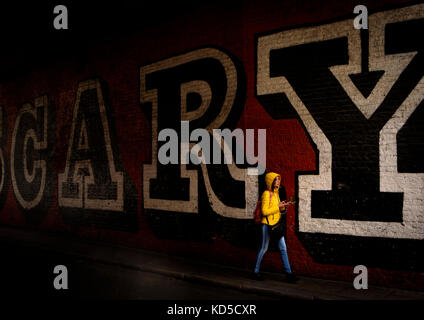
<point>273,183</point>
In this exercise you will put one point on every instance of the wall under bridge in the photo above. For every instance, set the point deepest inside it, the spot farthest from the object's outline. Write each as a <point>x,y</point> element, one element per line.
<point>342,108</point>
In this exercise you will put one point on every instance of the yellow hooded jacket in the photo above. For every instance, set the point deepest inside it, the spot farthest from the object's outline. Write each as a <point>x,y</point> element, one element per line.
<point>270,210</point>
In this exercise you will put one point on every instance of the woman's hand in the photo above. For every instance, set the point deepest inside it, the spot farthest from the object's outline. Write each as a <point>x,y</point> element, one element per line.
<point>282,205</point>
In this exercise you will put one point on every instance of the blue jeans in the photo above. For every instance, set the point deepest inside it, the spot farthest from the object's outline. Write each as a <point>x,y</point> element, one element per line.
<point>264,248</point>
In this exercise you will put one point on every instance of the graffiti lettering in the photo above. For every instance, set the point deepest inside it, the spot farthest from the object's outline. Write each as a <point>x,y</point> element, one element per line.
<point>90,179</point>
<point>356,134</point>
<point>31,167</point>
<point>93,180</point>
<point>172,88</point>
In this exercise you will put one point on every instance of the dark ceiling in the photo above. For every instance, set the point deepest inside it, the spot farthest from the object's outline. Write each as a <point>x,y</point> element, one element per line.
<point>29,40</point>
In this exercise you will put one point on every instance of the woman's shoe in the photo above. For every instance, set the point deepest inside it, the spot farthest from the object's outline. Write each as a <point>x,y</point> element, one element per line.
<point>256,276</point>
<point>291,278</point>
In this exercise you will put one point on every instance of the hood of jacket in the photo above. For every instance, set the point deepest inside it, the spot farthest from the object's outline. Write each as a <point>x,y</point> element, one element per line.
<point>269,179</point>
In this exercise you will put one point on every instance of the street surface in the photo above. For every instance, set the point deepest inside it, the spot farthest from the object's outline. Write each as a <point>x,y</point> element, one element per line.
<point>28,273</point>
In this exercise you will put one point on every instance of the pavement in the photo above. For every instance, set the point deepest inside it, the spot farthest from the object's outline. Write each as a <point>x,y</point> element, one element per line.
<point>274,286</point>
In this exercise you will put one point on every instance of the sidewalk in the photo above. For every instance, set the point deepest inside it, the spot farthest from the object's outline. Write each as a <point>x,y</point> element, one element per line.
<point>222,276</point>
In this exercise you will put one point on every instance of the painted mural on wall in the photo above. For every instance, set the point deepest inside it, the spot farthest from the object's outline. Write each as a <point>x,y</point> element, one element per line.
<point>94,189</point>
<point>367,192</point>
<point>31,161</point>
<point>358,95</point>
<point>207,88</point>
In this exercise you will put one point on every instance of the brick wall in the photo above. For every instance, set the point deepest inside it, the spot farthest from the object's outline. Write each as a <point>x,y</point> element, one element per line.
<point>342,109</point>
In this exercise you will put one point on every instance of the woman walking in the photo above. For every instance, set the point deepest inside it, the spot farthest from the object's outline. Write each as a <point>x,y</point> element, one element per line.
<point>271,224</point>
